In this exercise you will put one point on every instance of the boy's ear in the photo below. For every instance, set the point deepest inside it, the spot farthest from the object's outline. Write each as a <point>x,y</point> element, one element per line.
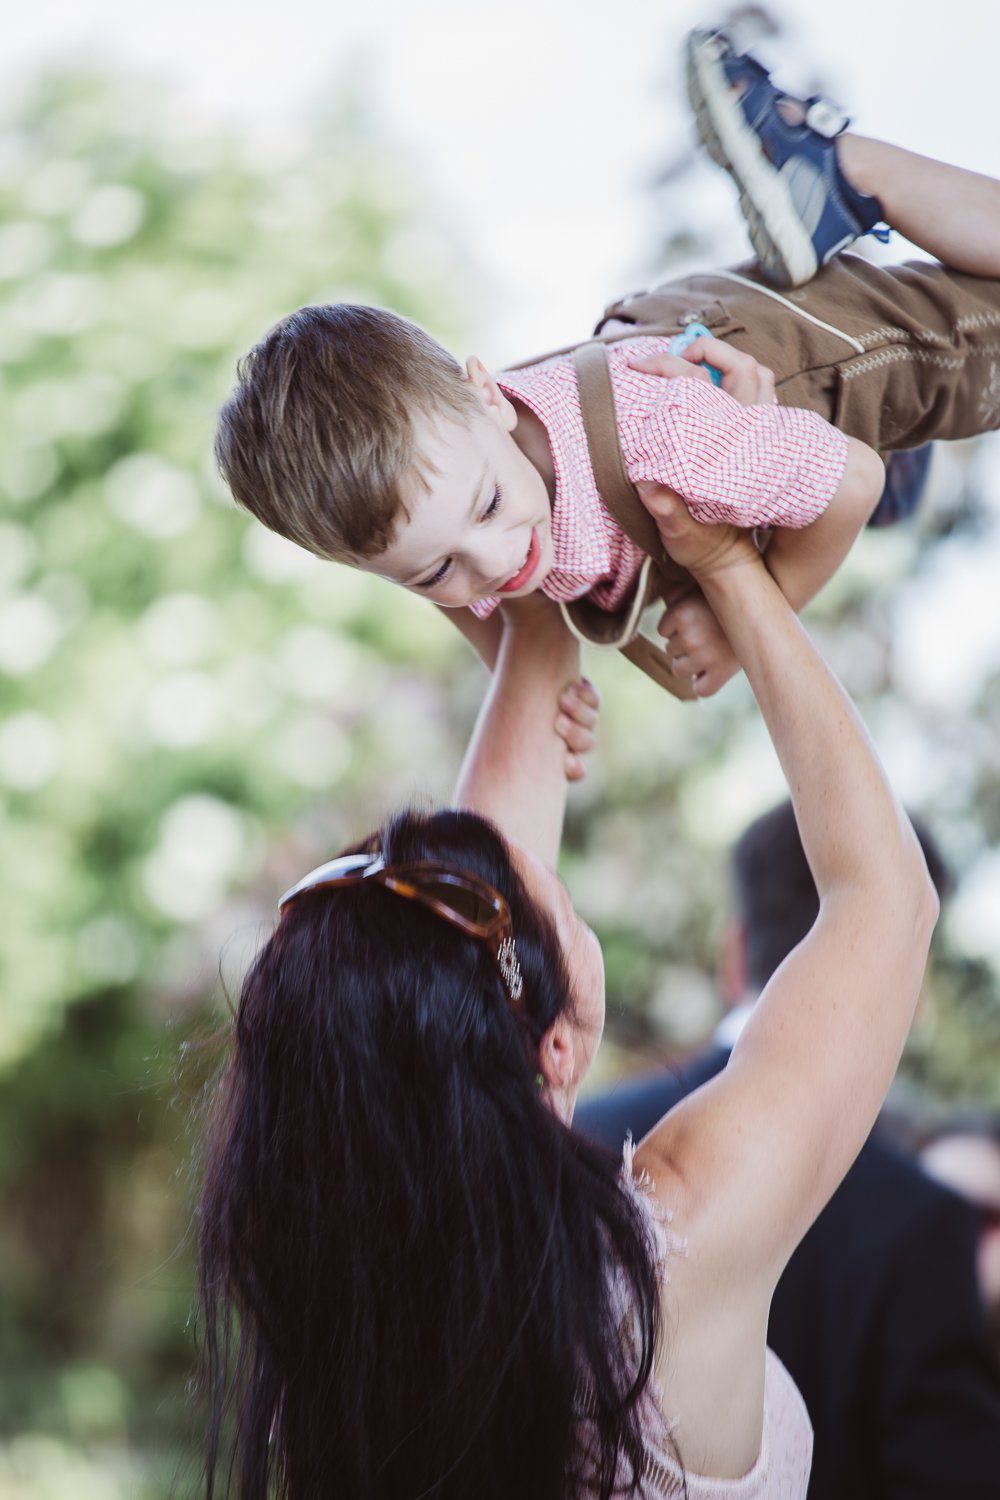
<point>494,401</point>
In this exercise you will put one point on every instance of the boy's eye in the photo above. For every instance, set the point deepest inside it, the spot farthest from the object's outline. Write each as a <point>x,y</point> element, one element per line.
<point>438,577</point>
<point>494,504</point>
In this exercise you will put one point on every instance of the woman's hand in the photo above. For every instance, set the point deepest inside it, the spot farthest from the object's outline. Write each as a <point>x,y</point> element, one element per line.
<point>574,723</point>
<point>743,378</point>
<point>696,643</point>
<point>703,550</point>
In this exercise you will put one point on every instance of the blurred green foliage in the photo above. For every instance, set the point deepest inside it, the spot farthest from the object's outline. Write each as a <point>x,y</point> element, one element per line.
<point>152,645</point>
<point>180,696</point>
<point>193,711</point>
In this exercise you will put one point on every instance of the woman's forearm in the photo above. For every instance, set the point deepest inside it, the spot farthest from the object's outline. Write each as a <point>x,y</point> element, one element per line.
<point>760,1150</point>
<point>852,828</point>
<point>821,1048</point>
<point>514,769</point>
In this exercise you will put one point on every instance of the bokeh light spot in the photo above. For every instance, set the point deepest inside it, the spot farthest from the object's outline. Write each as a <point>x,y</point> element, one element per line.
<point>152,496</point>
<point>29,632</point>
<point>110,216</point>
<point>29,751</point>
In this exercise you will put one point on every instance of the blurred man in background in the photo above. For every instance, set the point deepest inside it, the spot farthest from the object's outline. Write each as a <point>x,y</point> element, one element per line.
<point>878,1315</point>
<point>965,1156</point>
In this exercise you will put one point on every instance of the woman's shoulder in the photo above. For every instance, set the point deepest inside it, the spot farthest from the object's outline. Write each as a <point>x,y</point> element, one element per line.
<point>781,1471</point>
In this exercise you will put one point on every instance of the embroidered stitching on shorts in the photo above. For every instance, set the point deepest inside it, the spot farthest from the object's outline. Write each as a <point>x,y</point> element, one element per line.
<point>989,405</point>
<point>878,335</point>
<point>920,356</point>
<point>767,291</point>
<point>971,323</point>
<point>978,320</point>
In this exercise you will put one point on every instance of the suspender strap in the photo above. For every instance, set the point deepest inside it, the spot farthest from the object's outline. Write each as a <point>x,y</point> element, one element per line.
<point>597,404</point>
<point>600,423</point>
<point>655,662</point>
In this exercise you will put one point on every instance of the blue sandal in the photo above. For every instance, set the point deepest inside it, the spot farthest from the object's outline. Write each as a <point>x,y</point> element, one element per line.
<point>799,207</point>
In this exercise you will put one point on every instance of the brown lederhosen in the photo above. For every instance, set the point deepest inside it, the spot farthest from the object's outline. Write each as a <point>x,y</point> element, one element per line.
<point>895,357</point>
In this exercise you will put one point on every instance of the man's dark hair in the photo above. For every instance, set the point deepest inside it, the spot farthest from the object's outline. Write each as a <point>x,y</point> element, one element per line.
<point>776,896</point>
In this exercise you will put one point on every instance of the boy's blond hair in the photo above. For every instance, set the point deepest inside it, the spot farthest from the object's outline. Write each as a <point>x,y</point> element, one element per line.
<point>320,433</point>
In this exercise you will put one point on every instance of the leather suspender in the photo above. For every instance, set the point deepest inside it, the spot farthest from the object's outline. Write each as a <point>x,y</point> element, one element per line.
<point>597,403</point>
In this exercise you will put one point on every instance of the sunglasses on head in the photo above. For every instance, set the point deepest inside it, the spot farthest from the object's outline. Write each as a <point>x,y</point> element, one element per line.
<point>458,896</point>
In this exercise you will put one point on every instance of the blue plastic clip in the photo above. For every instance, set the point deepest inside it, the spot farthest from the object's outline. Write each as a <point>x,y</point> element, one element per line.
<point>683,340</point>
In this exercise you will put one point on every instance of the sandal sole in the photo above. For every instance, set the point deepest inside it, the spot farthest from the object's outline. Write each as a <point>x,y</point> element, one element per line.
<point>780,241</point>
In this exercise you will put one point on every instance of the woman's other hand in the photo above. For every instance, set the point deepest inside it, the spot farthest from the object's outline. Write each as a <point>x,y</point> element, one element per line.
<point>575,722</point>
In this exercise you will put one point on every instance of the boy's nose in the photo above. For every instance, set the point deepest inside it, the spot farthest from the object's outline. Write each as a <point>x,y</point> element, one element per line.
<point>493,561</point>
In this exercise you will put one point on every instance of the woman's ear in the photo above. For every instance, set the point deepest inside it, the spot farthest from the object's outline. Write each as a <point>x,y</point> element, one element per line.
<point>557,1056</point>
<point>494,401</point>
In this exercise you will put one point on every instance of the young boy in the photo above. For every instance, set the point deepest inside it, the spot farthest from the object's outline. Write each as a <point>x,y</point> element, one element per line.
<point>353,433</point>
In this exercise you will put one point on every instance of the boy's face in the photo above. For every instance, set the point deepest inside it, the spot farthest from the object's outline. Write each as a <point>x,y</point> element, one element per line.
<point>483,524</point>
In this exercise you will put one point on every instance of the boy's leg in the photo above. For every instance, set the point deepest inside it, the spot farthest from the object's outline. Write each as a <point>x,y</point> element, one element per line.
<point>950,213</point>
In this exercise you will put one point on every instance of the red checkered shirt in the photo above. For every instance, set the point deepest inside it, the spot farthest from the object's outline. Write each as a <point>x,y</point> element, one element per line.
<point>748,465</point>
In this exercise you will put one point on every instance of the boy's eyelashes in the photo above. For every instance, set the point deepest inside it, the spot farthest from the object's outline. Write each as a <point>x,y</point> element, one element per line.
<point>444,569</point>
<point>494,504</point>
<point>438,577</point>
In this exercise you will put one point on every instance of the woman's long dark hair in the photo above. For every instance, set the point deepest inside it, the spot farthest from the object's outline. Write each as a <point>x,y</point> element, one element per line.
<point>404,1254</point>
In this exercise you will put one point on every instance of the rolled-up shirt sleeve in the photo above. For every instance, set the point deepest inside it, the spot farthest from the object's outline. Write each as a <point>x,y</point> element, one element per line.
<point>747,465</point>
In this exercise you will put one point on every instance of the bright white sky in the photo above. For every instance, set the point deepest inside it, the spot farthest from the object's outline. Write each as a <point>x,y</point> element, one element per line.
<point>540,120</point>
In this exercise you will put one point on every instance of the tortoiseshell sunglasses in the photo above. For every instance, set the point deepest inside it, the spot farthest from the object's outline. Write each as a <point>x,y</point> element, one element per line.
<point>458,896</point>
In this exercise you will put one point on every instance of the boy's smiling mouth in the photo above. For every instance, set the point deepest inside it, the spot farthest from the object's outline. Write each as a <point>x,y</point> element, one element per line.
<point>524,573</point>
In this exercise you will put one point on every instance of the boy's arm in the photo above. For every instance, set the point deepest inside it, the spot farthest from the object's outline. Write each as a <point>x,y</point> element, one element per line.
<point>482,635</point>
<point>800,562</point>
<point>514,768</point>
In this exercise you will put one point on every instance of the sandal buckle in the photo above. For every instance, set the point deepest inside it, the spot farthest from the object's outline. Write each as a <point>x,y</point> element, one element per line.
<point>826,118</point>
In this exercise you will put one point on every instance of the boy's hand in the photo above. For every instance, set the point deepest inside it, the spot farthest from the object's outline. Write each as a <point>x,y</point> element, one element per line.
<point>743,378</point>
<point>575,721</point>
<point>696,643</point>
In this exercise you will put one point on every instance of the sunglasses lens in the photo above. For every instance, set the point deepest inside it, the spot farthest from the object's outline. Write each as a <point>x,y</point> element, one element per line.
<point>468,903</point>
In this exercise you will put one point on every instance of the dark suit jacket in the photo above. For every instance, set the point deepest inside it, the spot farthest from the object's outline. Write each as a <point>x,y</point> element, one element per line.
<point>877,1318</point>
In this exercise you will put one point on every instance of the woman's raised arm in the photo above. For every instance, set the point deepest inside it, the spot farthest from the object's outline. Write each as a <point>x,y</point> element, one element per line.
<point>514,772</point>
<point>748,1161</point>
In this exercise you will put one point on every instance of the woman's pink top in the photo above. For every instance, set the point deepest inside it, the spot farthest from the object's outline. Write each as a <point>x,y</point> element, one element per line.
<point>785,1458</point>
<point>783,1463</point>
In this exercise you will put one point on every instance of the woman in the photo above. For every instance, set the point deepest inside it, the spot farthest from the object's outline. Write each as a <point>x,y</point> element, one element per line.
<point>417,1279</point>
